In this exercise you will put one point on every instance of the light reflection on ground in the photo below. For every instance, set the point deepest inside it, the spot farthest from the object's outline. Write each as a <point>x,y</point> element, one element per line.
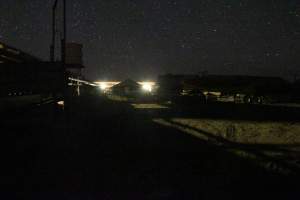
<point>149,106</point>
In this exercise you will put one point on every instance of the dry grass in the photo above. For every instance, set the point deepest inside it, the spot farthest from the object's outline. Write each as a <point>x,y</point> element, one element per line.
<point>273,145</point>
<point>248,132</point>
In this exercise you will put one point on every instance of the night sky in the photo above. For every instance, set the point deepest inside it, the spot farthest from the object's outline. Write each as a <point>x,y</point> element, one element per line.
<point>142,39</point>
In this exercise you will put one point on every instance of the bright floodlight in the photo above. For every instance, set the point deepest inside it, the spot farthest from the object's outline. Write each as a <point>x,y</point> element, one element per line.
<point>147,87</point>
<point>103,86</point>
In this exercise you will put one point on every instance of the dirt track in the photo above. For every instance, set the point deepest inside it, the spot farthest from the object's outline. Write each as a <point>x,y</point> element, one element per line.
<point>109,150</point>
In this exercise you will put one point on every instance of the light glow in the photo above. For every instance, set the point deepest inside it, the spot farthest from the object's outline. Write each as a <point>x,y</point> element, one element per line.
<point>61,103</point>
<point>106,85</point>
<point>103,86</point>
<point>147,86</point>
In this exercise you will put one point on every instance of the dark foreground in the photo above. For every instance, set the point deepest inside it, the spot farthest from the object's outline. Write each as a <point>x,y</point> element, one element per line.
<point>108,150</point>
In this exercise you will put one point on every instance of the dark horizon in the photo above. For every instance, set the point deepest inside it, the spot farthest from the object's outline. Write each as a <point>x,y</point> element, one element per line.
<point>143,39</point>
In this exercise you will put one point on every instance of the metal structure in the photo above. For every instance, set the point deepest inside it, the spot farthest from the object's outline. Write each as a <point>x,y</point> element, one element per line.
<point>23,74</point>
<point>64,39</point>
<point>9,54</point>
<point>52,46</point>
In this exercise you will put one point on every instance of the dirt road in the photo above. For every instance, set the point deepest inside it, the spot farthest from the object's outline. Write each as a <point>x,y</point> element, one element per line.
<point>110,150</point>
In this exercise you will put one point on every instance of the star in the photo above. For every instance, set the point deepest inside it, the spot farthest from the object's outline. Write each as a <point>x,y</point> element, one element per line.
<point>131,34</point>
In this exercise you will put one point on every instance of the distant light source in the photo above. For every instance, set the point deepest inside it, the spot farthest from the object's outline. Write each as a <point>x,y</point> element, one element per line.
<point>147,86</point>
<point>61,103</point>
<point>103,86</point>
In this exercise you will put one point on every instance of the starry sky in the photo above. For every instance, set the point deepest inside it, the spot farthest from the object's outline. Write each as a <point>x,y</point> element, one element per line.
<point>141,39</point>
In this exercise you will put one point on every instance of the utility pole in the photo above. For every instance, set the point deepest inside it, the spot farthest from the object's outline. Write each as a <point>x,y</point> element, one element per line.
<point>64,36</point>
<point>52,47</point>
<point>67,97</point>
<point>64,39</point>
<point>63,45</point>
